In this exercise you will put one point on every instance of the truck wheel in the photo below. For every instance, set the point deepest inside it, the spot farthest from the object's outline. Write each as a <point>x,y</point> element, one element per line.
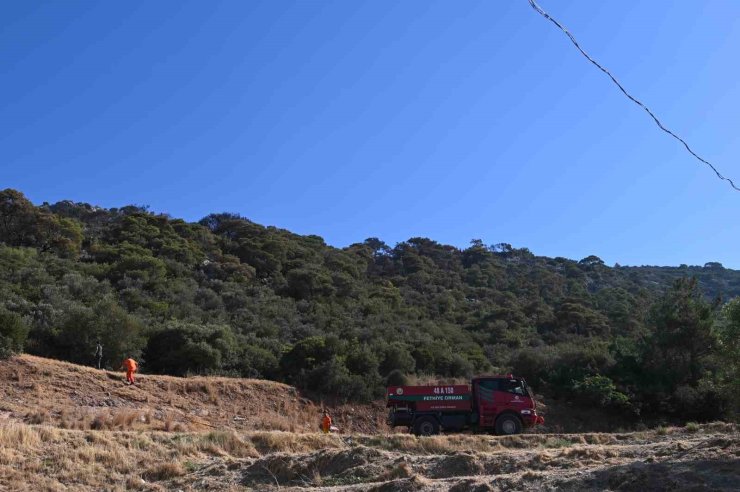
<point>508,424</point>
<point>426,426</point>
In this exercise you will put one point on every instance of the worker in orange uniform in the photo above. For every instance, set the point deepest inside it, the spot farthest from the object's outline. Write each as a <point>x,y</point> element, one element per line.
<point>130,366</point>
<point>326,423</point>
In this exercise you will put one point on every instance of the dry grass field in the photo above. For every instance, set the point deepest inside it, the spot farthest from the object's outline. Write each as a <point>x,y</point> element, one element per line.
<point>70,428</point>
<point>43,391</point>
<point>40,458</point>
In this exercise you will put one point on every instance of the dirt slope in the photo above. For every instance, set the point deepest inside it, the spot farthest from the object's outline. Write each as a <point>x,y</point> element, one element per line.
<point>37,390</point>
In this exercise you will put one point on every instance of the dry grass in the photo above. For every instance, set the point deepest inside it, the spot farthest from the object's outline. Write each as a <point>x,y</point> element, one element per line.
<point>163,471</point>
<point>400,470</point>
<point>77,397</point>
<point>37,417</point>
<point>231,444</point>
<point>692,427</point>
<point>40,457</point>
<point>287,442</point>
<point>93,460</point>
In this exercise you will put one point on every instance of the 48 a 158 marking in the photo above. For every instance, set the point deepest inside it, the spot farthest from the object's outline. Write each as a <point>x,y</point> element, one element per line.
<point>444,390</point>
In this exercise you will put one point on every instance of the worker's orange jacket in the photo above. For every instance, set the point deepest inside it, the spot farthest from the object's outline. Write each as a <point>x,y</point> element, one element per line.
<point>326,423</point>
<point>130,365</point>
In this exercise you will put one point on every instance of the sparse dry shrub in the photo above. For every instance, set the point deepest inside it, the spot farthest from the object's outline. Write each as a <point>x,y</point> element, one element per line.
<point>169,393</point>
<point>82,423</point>
<point>415,482</point>
<point>516,441</point>
<point>542,458</point>
<point>19,436</point>
<point>278,442</point>
<point>399,470</point>
<point>271,421</point>
<point>100,422</point>
<point>597,439</point>
<point>212,392</point>
<point>231,443</point>
<point>38,417</point>
<point>7,457</point>
<point>582,454</point>
<point>692,427</point>
<point>722,427</point>
<point>195,386</point>
<point>316,479</point>
<point>135,482</point>
<point>530,475</point>
<point>47,434</point>
<point>435,444</point>
<point>124,419</point>
<point>164,471</point>
<point>557,442</point>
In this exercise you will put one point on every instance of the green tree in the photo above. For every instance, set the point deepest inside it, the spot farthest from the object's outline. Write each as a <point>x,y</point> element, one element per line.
<point>397,358</point>
<point>13,332</point>
<point>677,357</point>
<point>728,335</point>
<point>308,354</point>
<point>683,337</point>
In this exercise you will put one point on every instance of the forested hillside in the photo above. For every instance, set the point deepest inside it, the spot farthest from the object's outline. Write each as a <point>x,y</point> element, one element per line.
<point>228,296</point>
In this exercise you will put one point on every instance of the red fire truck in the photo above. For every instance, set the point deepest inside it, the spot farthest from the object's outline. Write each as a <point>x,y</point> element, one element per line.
<point>500,404</point>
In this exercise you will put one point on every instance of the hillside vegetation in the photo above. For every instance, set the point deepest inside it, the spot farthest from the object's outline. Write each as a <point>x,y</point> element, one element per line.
<point>227,296</point>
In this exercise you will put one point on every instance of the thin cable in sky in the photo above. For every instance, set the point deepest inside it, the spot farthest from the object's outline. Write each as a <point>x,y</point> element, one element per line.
<point>633,99</point>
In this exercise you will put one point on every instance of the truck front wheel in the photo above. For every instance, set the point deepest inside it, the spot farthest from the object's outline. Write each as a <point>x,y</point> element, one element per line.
<point>426,426</point>
<point>508,424</point>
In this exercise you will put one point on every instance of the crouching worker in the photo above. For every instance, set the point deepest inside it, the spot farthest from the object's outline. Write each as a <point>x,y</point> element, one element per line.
<point>129,365</point>
<point>326,423</point>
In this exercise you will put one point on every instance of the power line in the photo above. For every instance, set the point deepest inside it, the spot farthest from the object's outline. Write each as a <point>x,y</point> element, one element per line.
<point>633,99</point>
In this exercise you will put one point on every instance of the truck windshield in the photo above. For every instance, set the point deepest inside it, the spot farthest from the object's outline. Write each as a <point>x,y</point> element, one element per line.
<point>516,387</point>
<point>527,391</point>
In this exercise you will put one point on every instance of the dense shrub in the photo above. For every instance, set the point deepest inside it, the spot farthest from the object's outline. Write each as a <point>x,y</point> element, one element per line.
<point>601,391</point>
<point>182,348</point>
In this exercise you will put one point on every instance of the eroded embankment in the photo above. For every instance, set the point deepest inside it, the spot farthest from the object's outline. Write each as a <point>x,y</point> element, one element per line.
<point>37,458</point>
<point>43,391</point>
<point>707,458</point>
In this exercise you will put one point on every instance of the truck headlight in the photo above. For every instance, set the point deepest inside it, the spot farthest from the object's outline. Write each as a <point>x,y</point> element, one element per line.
<point>526,412</point>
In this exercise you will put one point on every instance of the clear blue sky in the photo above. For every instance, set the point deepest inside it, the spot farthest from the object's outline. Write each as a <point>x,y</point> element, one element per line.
<point>349,119</point>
